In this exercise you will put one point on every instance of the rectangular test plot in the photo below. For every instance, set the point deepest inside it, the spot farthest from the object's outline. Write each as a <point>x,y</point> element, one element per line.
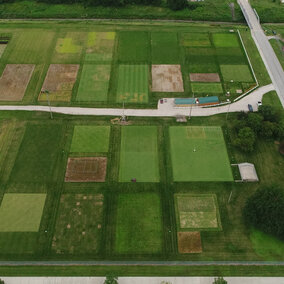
<point>139,154</point>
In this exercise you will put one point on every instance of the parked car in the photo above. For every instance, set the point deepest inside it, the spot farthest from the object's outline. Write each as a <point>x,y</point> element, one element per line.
<point>259,103</point>
<point>250,108</point>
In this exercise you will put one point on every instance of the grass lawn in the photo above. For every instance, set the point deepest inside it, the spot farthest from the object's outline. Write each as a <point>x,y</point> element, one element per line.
<point>94,83</point>
<point>90,139</point>
<point>239,73</point>
<point>225,40</point>
<point>278,48</point>
<point>211,88</point>
<point>37,154</point>
<point>2,49</point>
<point>133,47</point>
<point>197,212</point>
<point>199,154</point>
<point>165,48</point>
<point>79,224</point>
<point>195,39</point>
<point>21,212</point>
<point>272,99</point>
<point>139,154</point>
<point>139,224</point>
<point>133,84</point>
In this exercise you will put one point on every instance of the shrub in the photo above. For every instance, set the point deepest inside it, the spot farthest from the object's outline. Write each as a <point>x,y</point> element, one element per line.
<point>246,139</point>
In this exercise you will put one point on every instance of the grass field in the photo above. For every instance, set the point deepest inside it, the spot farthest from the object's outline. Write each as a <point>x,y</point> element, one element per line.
<point>79,224</point>
<point>197,212</point>
<point>2,49</point>
<point>139,224</point>
<point>239,73</point>
<point>21,212</point>
<point>199,154</point>
<point>211,88</point>
<point>139,154</point>
<point>225,40</point>
<point>133,84</point>
<point>272,99</point>
<point>94,83</point>
<point>90,139</point>
<point>37,155</point>
<point>195,39</point>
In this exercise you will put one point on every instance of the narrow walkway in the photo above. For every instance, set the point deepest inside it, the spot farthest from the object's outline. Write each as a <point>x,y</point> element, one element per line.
<point>164,110</point>
<point>267,53</point>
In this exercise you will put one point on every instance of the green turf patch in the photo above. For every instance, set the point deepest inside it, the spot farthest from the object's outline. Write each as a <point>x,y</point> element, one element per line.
<point>225,40</point>
<point>203,68</point>
<point>195,39</point>
<point>94,83</point>
<point>197,212</point>
<point>30,46</point>
<point>2,49</point>
<point>133,83</point>
<point>200,56</point>
<point>100,46</point>
<point>199,154</point>
<point>133,47</point>
<point>21,212</point>
<point>79,226</point>
<point>139,154</point>
<point>210,88</point>
<point>233,55</point>
<point>266,246</point>
<point>165,48</point>
<point>37,154</point>
<point>138,224</point>
<point>90,139</point>
<point>239,73</point>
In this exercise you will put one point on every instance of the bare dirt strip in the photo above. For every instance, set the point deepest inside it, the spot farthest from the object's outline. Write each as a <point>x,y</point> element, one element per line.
<point>189,242</point>
<point>204,77</point>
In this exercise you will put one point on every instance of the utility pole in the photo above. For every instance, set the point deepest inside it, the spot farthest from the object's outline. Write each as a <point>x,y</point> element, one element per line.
<point>48,102</point>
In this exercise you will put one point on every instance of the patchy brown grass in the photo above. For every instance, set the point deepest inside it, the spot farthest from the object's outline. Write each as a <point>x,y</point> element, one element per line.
<point>167,78</point>
<point>189,242</point>
<point>88,169</point>
<point>14,81</point>
<point>204,77</point>
<point>59,82</point>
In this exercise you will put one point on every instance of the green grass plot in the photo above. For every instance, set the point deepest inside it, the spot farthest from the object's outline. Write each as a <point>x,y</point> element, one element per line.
<point>165,48</point>
<point>210,88</point>
<point>239,73</point>
<point>79,225</point>
<point>225,40</point>
<point>138,224</point>
<point>2,49</point>
<point>139,154</point>
<point>21,212</point>
<point>94,83</point>
<point>199,154</point>
<point>195,39</point>
<point>90,139</point>
<point>197,212</point>
<point>200,56</point>
<point>133,81</point>
<point>133,47</point>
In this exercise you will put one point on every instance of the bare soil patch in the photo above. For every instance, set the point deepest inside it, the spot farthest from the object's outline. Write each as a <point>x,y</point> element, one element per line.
<point>189,242</point>
<point>14,81</point>
<point>167,78</point>
<point>89,169</point>
<point>59,82</point>
<point>204,77</point>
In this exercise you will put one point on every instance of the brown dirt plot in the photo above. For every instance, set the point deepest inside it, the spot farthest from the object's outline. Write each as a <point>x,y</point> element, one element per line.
<point>204,77</point>
<point>89,169</point>
<point>59,82</point>
<point>189,242</point>
<point>167,78</point>
<point>14,81</point>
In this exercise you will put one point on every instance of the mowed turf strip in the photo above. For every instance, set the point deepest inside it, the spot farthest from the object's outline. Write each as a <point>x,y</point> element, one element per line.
<point>138,224</point>
<point>195,39</point>
<point>133,83</point>
<point>37,154</point>
<point>238,73</point>
<point>225,40</point>
<point>94,83</point>
<point>133,47</point>
<point>211,88</point>
<point>199,154</point>
<point>139,154</point>
<point>90,139</point>
<point>79,224</point>
<point>21,212</point>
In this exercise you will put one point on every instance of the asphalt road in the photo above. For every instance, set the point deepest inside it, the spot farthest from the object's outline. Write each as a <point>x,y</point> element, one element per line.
<point>266,51</point>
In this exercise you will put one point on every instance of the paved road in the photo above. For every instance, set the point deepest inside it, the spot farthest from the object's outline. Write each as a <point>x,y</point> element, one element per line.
<point>266,51</point>
<point>164,110</point>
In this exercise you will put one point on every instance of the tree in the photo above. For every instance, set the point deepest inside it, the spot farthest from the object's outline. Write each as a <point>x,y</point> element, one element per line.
<point>268,129</point>
<point>270,113</point>
<point>246,139</point>
<point>219,280</point>
<point>254,121</point>
<point>264,210</point>
<point>2,281</point>
<point>111,280</point>
<point>177,4</point>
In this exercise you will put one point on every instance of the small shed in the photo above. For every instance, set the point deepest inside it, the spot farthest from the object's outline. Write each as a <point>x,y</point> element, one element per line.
<point>205,101</point>
<point>184,102</point>
<point>248,172</point>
